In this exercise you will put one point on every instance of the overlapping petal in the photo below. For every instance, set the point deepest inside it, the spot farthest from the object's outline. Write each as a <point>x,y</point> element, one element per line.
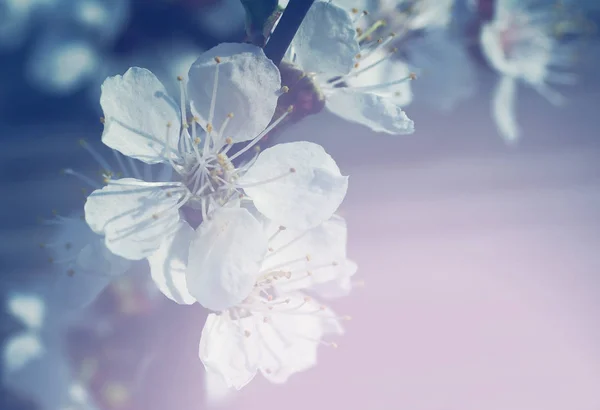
<point>303,185</point>
<point>134,215</point>
<point>225,258</point>
<point>244,82</point>
<point>325,42</point>
<point>140,119</point>
<point>169,263</point>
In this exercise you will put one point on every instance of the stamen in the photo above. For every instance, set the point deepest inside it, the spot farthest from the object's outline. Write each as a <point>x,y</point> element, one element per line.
<point>99,159</point>
<point>262,134</point>
<point>82,178</point>
<point>363,35</point>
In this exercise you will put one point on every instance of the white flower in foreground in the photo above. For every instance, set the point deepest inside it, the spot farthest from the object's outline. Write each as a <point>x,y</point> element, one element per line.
<point>360,81</point>
<point>233,91</point>
<point>252,274</point>
<point>519,44</point>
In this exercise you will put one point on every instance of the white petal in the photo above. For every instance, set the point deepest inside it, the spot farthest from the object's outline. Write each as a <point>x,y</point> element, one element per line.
<point>225,258</point>
<point>248,86</point>
<point>289,342</point>
<point>217,392</point>
<point>133,215</point>
<point>322,250</point>
<point>326,41</point>
<point>226,351</point>
<point>378,113</point>
<point>137,114</point>
<point>168,265</point>
<point>503,109</point>
<point>300,199</point>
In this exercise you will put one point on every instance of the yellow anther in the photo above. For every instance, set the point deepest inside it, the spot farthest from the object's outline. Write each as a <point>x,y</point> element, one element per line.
<point>356,65</point>
<point>359,55</point>
<point>209,127</point>
<point>257,149</point>
<point>354,10</point>
<point>334,345</point>
<point>228,140</point>
<point>290,108</point>
<point>102,120</point>
<point>179,78</point>
<point>394,50</point>
<point>285,89</point>
<point>412,76</point>
<point>292,170</point>
<point>197,140</point>
<point>230,115</point>
<point>217,60</point>
<point>169,195</point>
<point>169,125</point>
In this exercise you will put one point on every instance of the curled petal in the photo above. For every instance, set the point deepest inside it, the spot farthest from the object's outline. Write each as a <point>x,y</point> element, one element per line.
<point>169,263</point>
<point>140,119</point>
<point>377,112</point>
<point>234,79</point>
<point>225,258</point>
<point>134,216</point>
<point>296,184</point>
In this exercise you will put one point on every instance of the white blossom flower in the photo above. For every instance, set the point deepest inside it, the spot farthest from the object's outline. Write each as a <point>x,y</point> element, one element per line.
<point>520,44</point>
<point>253,274</point>
<point>360,82</point>
<point>233,91</point>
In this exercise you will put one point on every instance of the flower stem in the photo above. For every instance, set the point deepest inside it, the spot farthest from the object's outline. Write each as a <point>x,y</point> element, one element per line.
<point>283,34</point>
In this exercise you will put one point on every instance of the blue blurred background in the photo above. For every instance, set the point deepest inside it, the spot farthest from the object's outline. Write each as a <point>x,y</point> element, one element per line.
<point>453,197</point>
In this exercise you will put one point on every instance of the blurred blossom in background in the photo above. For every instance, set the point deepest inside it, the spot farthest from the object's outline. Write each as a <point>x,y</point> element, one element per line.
<point>476,237</point>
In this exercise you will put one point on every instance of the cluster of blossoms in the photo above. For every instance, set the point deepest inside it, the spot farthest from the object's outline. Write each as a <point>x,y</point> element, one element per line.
<point>252,235</point>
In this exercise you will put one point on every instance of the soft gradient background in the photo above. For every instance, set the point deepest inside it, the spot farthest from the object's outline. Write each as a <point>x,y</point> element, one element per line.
<point>480,261</point>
